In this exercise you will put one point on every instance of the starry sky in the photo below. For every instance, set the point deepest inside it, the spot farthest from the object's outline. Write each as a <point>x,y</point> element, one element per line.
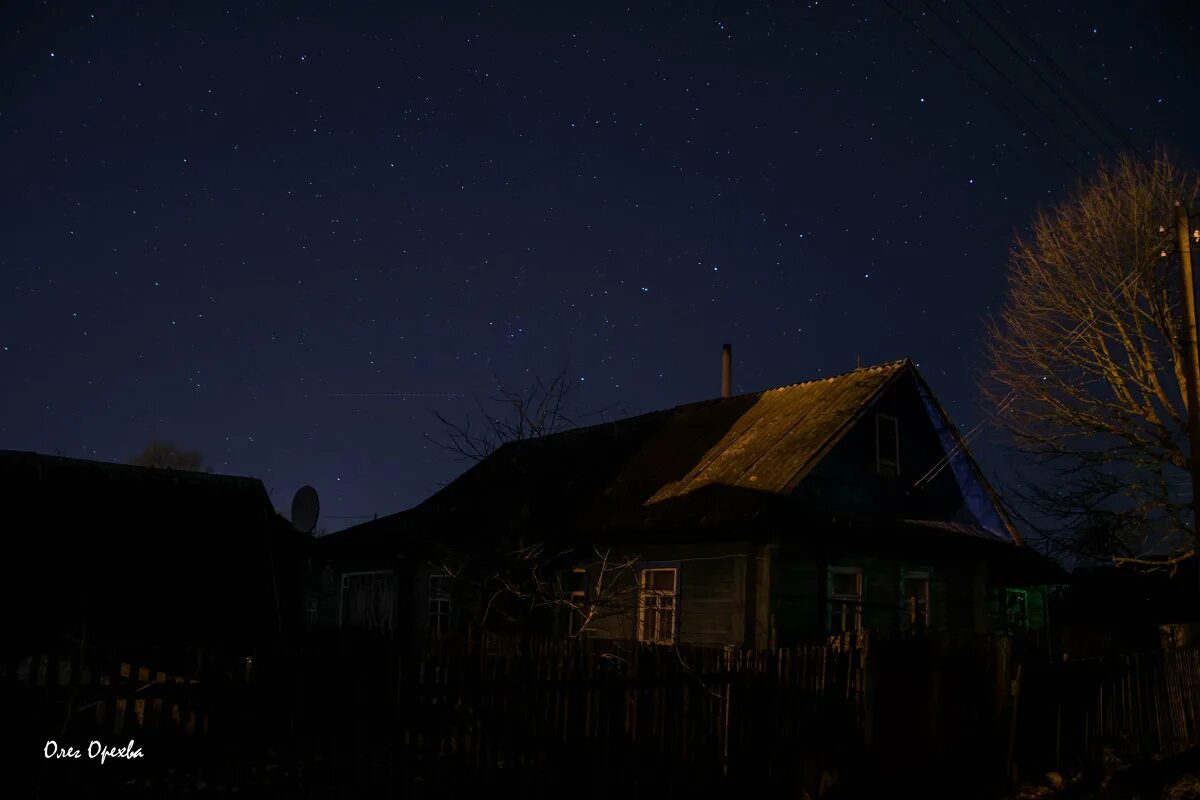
<point>285,235</point>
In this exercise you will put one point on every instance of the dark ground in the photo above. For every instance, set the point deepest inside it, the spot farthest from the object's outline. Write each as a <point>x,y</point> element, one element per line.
<point>1176,778</point>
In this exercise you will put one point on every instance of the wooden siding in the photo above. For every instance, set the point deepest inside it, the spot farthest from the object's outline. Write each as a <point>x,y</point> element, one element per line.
<point>799,598</point>
<point>762,622</point>
<point>741,594</point>
<point>958,600</point>
<point>847,479</point>
<point>713,600</point>
<point>713,593</point>
<point>325,591</point>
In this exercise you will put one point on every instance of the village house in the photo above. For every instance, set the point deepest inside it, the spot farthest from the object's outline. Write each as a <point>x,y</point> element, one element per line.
<point>132,559</point>
<point>760,520</point>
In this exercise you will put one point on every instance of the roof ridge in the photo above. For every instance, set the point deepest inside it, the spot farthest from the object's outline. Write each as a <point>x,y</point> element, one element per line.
<point>895,363</point>
<point>899,362</point>
<point>138,468</point>
<point>668,453</point>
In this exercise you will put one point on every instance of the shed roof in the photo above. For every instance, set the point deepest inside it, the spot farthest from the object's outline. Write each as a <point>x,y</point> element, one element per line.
<point>84,487</point>
<point>144,554</point>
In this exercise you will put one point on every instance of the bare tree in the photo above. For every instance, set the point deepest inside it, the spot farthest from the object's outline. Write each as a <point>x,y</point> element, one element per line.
<point>1085,368</point>
<point>529,580</point>
<point>518,577</point>
<point>168,455</point>
<point>511,417</point>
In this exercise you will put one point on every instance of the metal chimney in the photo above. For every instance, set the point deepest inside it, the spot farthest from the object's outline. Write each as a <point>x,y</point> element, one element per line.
<point>726,370</point>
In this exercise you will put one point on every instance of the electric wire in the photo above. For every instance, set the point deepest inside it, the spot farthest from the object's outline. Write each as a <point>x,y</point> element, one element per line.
<point>1084,325</point>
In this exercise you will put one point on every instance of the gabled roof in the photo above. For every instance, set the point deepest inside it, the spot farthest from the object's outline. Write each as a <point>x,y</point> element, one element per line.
<point>47,467</point>
<point>732,459</point>
<point>778,438</point>
<point>59,491</point>
<point>145,555</point>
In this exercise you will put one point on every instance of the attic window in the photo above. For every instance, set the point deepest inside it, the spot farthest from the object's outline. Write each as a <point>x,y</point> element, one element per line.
<point>887,445</point>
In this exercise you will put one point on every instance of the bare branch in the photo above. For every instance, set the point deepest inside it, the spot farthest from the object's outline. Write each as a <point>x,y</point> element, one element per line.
<point>163,454</point>
<point>1169,563</point>
<point>517,572</point>
<point>1084,365</point>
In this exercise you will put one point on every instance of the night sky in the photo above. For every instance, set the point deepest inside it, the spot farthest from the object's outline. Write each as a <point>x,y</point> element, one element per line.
<point>284,235</point>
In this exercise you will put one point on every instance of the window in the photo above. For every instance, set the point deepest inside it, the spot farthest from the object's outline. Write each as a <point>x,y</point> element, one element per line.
<point>657,604</point>
<point>887,445</point>
<point>845,599</point>
<point>368,600</point>
<point>1016,607</point>
<point>916,600</point>
<point>439,605</point>
<point>577,593</point>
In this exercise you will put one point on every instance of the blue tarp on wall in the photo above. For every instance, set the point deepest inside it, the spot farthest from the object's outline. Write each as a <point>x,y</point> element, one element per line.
<point>979,509</point>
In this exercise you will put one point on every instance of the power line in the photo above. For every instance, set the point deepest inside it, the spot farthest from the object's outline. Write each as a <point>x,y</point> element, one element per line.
<point>397,394</point>
<point>1014,116</point>
<point>1007,78</point>
<point>1085,325</point>
<point>1064,100</point>
<point>1067,79</point>
<point>1021,122</point>
<point>1067,134</point>
<point>1004,403</point>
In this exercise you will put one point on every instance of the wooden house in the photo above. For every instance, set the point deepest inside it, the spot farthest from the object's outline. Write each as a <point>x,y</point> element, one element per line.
<point>765,519</point>
<point>135,559</point>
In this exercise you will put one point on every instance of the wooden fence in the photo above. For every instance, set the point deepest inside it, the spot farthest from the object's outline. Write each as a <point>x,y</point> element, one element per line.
<point>590,717</point>
<point>200,729</point>
<point>344,715</point>
<point>71,695</point>
<point>1142,706</point>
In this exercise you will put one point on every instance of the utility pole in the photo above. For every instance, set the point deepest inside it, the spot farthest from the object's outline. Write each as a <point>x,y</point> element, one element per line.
<point>1191,368</point>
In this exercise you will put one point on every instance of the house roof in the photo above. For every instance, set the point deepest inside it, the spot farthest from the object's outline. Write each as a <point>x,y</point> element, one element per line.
<point>705,463</point>
<point>45,465</point>
<point>71,496</point>
<point>773,442</point>
<point>143,552</point>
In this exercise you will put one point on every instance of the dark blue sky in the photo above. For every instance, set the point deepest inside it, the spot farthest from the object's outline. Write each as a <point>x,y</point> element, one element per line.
<point>282,236</point>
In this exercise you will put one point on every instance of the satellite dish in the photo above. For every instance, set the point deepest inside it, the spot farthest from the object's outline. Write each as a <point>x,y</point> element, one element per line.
<point>305,507</point>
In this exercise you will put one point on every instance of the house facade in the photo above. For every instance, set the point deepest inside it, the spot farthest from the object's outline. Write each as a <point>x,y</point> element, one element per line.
<point>767,519</point>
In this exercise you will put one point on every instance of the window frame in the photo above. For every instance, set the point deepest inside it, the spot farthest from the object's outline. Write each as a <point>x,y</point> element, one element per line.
<point>387,574</point>
<point>577,597</point>
<point>834,599</point>
<point>433,606</point>
<point>880,462</point>
<point>910,612</point>
<point>643,593</point>
<point>1011,593</point>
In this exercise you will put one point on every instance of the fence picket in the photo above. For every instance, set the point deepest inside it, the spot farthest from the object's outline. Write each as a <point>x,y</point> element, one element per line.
<point>497,708</point>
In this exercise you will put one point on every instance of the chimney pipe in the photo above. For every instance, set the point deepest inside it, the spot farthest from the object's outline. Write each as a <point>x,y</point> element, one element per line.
<point>726,370</point>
